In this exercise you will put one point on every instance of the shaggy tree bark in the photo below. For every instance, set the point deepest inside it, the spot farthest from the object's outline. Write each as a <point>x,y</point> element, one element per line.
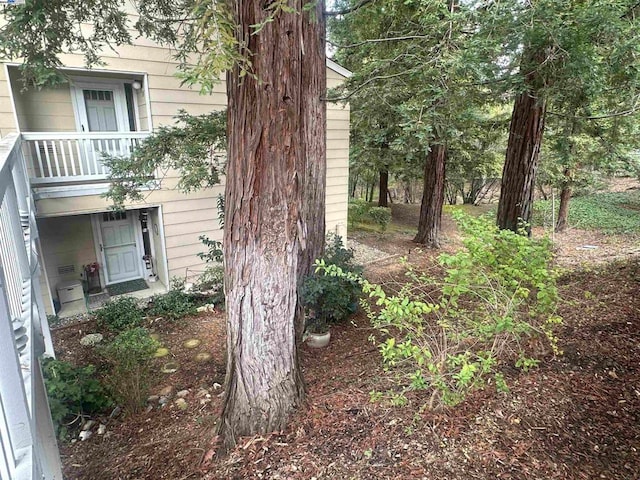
<point>521,163</point>
<point>565,197</point>
<point>274,224</point>
<point>432,197</point>
<point>383,194</point>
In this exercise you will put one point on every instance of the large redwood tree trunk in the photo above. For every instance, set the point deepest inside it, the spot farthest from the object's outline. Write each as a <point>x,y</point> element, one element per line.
<point>274,225</point>
<point>521,163</point>
<point>432,197</point>
<point>523,149</point>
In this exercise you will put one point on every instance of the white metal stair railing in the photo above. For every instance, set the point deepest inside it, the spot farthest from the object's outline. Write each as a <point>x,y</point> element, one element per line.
<point>28,448</point>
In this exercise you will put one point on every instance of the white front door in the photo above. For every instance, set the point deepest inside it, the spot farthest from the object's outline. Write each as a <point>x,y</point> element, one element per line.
<point>120,249</point>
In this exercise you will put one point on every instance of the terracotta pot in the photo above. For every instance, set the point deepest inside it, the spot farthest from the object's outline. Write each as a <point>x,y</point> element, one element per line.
<point>318,340</point>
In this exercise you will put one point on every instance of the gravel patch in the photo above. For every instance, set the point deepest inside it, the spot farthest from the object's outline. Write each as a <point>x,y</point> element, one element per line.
<point>364,254</point>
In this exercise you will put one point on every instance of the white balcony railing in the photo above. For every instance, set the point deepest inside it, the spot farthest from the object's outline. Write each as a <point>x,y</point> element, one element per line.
<point>27,442</point>
<point>62,157</point>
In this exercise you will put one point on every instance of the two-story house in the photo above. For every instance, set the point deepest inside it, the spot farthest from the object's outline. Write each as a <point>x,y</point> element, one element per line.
<point>55,224</point>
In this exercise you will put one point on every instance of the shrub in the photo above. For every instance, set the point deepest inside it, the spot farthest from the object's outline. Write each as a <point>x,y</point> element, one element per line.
<point>498,297</point>
<point>328,298</point>
<point>129,357</point>
<point>357,211</point>
<point>173,305</point>
<point>381,216</point>
<point>120,314</point>
<point>73,392</point>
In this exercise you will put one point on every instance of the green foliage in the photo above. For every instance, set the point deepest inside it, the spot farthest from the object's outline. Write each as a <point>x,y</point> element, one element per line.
<point>363,212</point>
<point>120,314</point>
<point>211,279</point>
<point>328,298</point>
<point>174,304</point>
<point>357,211</point>
<point>73,392</point>
<point>194,147</point>
<point>214,252</point>
<point>610,213</point>
<point>498,296</point>
<point>129,358</point>
<point>381,216</point>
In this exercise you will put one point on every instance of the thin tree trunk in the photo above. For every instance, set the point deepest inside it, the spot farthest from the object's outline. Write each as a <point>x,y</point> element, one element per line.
<point>432,197</point>
<point>521,163</point>
<point>383,194</point>
<point>565,197</point>
<point>274,226</point>
<point>372,186</point>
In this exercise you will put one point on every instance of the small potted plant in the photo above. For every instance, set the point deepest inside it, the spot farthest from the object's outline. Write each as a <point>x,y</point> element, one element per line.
<point>317,332</point>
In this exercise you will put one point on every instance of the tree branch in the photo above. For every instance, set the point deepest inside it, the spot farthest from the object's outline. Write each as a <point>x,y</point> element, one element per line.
<point>597,117</point>
<point>346,11</point>
<point>379,40</point>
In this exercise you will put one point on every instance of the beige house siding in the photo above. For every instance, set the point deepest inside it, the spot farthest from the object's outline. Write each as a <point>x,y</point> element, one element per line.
<point>184,217</point>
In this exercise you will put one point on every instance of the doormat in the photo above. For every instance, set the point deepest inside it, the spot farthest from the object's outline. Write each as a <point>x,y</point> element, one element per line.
<point>127,287</point>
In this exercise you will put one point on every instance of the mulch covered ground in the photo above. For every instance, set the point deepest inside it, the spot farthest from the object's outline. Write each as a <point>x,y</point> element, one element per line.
<point>577,416</point>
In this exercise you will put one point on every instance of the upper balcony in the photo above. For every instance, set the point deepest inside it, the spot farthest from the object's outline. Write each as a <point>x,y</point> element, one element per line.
<point>69,157</point>
<point>68,129</point>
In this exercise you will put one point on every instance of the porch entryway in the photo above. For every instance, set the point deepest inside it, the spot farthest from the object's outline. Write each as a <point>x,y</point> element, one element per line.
<point>91,258</point>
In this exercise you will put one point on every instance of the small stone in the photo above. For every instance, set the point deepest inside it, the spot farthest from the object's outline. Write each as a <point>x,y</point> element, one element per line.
<point>153,398</point>
<point>181,403</point>
<point>182,393</point>
<point>192,343</point>
<point>202,392</point>
<point>166,391</point>
<point>217,386</point>
<point>202,357</point>
<point>85,435</point>
<point>161,352</point>
<point>209,307</point>
<point>87,425</point>
<point>163,400</point>
<point>91,339</point>
<point>101,429</point>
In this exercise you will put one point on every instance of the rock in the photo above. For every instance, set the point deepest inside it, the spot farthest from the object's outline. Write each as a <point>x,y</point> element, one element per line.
<point>192,343</point>
<point>202,357</point>
<point>153,398</point>
<point>88,425</point>
<point>161,352</point>
<point>91,339</point>
<point>166,391</point>
<point>217,386</point>
<point>171,367</point>
<point>202,393</point>
<point>209,307</point>
<point>163,401</point>
<point>181,403</point>
<point>85,435</point>
<point>101,429</point>
<point>182,393</point>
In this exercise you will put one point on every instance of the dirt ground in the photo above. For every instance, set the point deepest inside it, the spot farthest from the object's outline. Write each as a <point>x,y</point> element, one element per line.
<point>577,416</point>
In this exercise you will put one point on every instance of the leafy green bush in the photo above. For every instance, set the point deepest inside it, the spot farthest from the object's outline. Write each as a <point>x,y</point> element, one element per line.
<point>357,211</point>
<point>174,304</point>
<point>120,314</point>
<point>129,358</point>
<point>381,216</point>
<point>328,298</point>
<point>73,392</point>
<point>497,298</point>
